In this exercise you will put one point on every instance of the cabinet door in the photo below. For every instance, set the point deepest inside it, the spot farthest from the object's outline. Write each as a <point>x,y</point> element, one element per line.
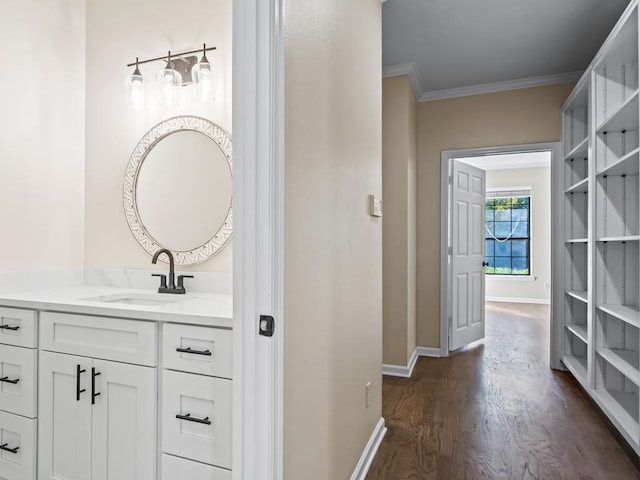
<point>64,437</point>
<point>124,421</point>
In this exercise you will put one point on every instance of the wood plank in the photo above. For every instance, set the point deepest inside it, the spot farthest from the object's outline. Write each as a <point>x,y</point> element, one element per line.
<point>625,362</point>
<point>626,313</point>
<point>578,294</point>
<point>496,411</point>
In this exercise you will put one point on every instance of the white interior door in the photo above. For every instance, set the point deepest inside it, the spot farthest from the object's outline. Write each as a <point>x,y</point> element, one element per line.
<point>467,255</point>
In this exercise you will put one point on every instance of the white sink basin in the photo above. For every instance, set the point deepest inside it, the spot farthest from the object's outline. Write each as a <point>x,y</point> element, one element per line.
<point>139,299</point>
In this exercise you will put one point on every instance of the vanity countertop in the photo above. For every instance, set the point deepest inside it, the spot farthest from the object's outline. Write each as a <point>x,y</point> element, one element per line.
<point>193,308</point>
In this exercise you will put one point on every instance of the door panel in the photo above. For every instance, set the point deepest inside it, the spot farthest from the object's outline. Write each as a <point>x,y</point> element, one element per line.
<point>64,437</point>
<point>124,422</point>
<point>468,198</point>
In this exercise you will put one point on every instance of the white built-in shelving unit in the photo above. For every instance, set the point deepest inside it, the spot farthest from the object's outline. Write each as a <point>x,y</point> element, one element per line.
<point>601,280</point>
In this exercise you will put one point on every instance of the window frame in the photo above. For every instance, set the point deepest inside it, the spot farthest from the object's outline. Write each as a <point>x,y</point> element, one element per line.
<point>513,192</point>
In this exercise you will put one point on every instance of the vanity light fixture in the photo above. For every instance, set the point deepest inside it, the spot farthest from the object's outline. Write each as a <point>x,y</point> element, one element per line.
<point>170,81</point>
<point>180,70</point>
<point>134,84</point>
<point>202,76</point>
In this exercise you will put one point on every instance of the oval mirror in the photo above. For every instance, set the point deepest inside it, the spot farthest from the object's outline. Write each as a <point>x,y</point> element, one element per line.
<point>178,189</point>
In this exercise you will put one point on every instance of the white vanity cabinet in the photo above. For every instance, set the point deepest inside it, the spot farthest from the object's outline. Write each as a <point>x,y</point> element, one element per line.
<point>18,390</point>
<point>93,392</point>
<point>97,416</point>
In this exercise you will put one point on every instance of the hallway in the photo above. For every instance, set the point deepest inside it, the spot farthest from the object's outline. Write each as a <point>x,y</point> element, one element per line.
<point>496,411</point>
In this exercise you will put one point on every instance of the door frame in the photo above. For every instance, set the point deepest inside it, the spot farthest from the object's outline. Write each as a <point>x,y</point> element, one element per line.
<point>446,158</point>
<point>258,237</point>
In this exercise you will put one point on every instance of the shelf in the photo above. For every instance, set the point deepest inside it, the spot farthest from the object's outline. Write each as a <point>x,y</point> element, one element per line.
<point>577,240</point>
<point>626,165</point>
<point>579,331</point>
<point>625,117</point>
<point>618,405</point>
<point>577,368</point>
<point>624,361</point>
<point>580,187</point>
<point>578,294</point>
<point>626,313</point>
<point>580,150</point>
<point>627,238</point>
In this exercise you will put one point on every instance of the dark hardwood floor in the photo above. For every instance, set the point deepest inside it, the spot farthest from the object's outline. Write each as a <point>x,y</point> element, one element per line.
<point>496,410</point>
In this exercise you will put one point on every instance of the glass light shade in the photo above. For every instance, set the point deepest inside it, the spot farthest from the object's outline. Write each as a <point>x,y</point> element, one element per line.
<point>202,75</point>
<point>134,85</point>
<point>170,82</point>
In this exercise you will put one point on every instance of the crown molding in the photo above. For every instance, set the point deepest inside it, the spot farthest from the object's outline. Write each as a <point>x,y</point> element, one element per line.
<point>410,69</point>
<point>501,86</point>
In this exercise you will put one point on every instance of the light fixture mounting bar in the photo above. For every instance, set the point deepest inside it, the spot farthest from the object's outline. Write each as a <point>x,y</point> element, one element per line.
<point>173,56</point>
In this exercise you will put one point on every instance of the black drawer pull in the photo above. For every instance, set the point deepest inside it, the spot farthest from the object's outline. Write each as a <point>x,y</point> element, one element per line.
<point>6,380</point>
<point>7,449</point>
<point>78,390</point>
<point>13,328</point>
<point>94,374</point>
<point>189,418</point>
<point>195,352</point>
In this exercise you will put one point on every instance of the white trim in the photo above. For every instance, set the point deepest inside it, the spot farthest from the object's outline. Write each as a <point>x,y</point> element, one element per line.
<point>445,201</point>
<point>513,278</point>
<point>410,69</point>
<point>407,371</point>
<point>370,450</point>
<point>258,72</point>
<point>501,86</point>
<point>538,301</point>
<point>401,370</point>
<point>428,352</point>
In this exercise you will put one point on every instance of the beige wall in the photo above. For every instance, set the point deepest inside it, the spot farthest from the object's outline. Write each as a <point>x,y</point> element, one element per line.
<point>42,140</point>
<point>399,157</point>
<point>536,287</point>
<point>333,257</point>
<point>515,117</point>
<point>117,32</point>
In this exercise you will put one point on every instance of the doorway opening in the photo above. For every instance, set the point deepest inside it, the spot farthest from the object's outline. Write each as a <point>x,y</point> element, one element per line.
<point>497,240</point>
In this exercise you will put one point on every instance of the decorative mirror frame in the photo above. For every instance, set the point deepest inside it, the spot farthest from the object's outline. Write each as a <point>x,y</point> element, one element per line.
<point>222,138</point>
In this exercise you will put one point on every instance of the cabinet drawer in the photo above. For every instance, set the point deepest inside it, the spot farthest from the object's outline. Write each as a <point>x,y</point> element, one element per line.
<point>197,398</point>
<point>18,327</point>
<point>121,340</point>
<point>17,363</point>
<point>201,350</point>
<point>17,432</point>
<point>174,467</point>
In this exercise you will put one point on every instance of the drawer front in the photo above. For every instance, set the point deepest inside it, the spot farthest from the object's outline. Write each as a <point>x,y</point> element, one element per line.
<point>18,386</point>
<point>197,397</point>
<point>174,468</point>
<point>17,433</point>
<point>18,327</point>
<point>121,340</point>
<point>202,350</point>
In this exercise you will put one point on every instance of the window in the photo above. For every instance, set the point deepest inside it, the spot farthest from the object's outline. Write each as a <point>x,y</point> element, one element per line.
<point>508,233</point>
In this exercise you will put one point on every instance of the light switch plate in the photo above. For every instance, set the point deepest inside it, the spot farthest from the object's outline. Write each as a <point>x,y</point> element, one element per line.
<point>375,206</point>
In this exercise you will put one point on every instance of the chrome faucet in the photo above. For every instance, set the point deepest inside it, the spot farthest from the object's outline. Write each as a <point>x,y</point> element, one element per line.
<point>171,288</point>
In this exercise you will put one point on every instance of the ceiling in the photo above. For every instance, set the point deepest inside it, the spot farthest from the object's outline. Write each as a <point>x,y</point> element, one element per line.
<point>462,47</point>
<point>510,161</point>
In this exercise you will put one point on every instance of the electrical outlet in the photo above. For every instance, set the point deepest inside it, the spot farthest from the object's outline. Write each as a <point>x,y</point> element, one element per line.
<point>547,285</point>
<point>367,392</point>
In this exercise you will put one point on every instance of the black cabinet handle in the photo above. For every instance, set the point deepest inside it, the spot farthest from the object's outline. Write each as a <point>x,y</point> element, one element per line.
<point>13,328</point>
<point>195,352</point>
<point>78,391</point>
<point>189,418</point>
<point>94,374</point>
<point>7,449</point>
<point>6,380</point>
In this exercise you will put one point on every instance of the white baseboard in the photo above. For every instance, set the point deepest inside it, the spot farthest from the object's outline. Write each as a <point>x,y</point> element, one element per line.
<point>370,450</point>
<point>541,301</point>
<point>406,371</point>
<point>428,352</point>
<point>401,370</point>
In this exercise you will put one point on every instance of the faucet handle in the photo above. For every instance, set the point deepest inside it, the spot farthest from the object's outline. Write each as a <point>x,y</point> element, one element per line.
<point>181,280</point>
<point>163,279</point>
